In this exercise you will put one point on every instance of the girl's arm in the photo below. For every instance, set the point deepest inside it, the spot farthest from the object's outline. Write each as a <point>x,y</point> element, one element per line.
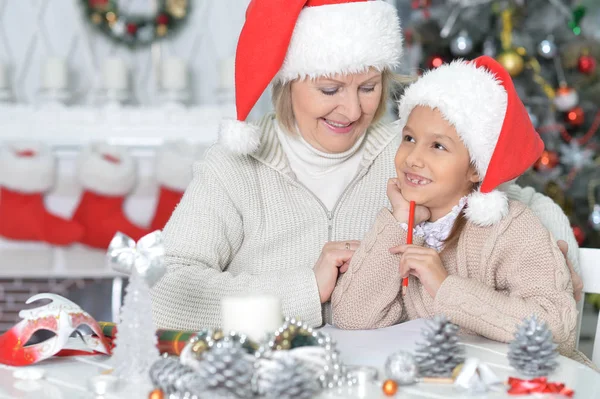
<point>368,295</point>
<point>530,277</point>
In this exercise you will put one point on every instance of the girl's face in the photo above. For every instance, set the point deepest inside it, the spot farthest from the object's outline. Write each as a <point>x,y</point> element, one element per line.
<point>432,163</point>
<point>333,113</point>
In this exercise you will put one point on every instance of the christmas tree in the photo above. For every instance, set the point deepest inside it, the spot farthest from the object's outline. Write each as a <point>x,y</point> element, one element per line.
<point>551,49</point>
<point>135,345</point>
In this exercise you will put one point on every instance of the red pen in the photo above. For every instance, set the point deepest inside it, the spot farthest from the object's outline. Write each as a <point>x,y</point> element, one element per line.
<point>409,237</point>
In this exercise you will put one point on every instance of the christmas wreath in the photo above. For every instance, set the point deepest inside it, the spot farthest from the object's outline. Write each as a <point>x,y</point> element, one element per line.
<point>136,30</point>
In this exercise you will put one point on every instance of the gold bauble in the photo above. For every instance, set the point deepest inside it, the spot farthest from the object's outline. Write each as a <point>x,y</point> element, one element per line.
<point>177,8</point>
<point>111,17</point>
<point>156,394</point>
<point>96,18</point>
<point>389,387</point>
<point>512,62</point>
<point>161,30</point>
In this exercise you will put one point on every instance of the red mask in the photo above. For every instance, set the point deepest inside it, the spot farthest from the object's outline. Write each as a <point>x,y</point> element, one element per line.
<point>47,330</point>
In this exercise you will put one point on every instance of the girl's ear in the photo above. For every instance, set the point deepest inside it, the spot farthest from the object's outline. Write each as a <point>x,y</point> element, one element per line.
<point>472,175</point>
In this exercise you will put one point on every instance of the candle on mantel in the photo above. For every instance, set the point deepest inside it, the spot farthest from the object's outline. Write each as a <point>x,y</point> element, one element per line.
<point>253,315</point>
<point>114,74</point>
<point>174,74</point>
<point>55,74</point>
<point>227,73</point>
<point>3,77</point>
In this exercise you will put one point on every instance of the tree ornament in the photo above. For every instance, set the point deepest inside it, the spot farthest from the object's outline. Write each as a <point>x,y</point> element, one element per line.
<point>547,48</point>
<point>286,378</point>
<point>136,30</point>
<point>566,98</point>
<point>441,352</point>
<point>533,351</point>
<point>586,63</point>
<point>548,161</point>
<point>401,367</point>
<point>512,62</point>
<point>595,217</point>
<point>576,156</point>
<point>575,22</point>
<point>434,61</point>
<point>462,44</point>
<point>390,387</point>
<point>575,117</point>
<point>156,394</point>
<point>579,235</point>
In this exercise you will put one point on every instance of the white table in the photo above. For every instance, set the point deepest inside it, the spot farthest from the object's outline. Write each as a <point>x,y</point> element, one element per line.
<point>68,377</point>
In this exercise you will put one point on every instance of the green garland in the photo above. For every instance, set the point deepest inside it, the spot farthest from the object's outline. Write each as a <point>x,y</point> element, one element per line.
<point>135,30</point>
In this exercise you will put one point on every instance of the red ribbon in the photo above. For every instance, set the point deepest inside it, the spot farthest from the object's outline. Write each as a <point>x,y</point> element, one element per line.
<point>537,385</point>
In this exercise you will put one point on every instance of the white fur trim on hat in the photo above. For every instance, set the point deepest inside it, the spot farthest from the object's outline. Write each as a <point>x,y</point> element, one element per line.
<point>103,176</point>
<point>486,209</point>
<point>28,173</point>
<point>174,164</point>
<point>239,137</point>
<point>342,39</point>
<point>470,98</point>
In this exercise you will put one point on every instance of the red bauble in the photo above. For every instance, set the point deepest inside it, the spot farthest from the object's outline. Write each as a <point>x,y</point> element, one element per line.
<point>101,4</point>
<point>132,29</point>
<point>575,116</point>
<point>162,19</point>
<point>579,234</point>
<point>434,61</point>
<point>547,161</point>
<point>586,64</point>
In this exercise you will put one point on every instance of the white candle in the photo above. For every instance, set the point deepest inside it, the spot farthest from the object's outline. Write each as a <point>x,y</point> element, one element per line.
<point>255,316</point>
<point>174,74</point>
<point>227,73</point>
<point>3,77</point>
<point>114,74</point>
<point>55,74</point>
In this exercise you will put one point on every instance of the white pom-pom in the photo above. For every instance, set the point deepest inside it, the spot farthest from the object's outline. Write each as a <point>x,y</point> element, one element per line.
<point>486,209</point>
<point>239,137</point>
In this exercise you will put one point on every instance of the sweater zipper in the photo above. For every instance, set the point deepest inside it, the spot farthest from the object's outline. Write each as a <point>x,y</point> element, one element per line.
<point>328,213</point>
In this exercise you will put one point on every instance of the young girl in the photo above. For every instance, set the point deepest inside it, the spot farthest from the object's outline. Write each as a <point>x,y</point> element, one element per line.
<point>481,260</point>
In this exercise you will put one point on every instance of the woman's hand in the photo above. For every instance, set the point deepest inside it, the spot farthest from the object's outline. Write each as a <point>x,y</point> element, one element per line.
<point>401,207</point>
<point>575,278</point>
<point>424,263</point>
<point>335,258</point>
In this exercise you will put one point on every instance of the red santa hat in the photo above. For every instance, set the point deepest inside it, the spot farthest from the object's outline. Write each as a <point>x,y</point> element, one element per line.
<point>283,40</point>
<point>479,99</point>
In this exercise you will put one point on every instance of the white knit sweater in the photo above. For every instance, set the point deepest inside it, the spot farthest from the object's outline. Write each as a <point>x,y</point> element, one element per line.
<point>246,225</point>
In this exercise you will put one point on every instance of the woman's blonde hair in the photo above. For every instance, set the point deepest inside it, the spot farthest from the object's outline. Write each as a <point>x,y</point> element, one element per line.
<point>282,98</point>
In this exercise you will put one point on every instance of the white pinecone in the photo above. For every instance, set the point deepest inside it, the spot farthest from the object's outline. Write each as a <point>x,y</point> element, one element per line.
<point>227,370</point>
<point>174,378</point>
<point>533,351</point>
<point>286,378</point>
<point>441,352</point>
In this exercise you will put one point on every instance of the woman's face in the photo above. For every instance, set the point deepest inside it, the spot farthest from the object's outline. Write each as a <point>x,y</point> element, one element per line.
<point>432,163</point>
<point>333,113</point>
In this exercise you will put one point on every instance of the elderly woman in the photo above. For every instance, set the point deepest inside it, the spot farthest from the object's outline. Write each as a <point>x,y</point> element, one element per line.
<point>278,207</point>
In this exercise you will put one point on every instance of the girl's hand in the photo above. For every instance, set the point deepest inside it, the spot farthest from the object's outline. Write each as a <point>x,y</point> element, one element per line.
<point>401,207</point>
<point>423,263</point>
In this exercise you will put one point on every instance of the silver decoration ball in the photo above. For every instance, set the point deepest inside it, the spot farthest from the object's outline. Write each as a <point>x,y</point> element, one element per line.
<point>595,217</point>
<point>547,48</point>
<point>461,44</point>
<point>402,368</point>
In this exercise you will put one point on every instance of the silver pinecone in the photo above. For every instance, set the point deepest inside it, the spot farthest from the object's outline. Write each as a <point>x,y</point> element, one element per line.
<point>441,352</point>
<point>174,378</point>
<point>287,378</point>
<point>227,370</point>
<point>533,351</point>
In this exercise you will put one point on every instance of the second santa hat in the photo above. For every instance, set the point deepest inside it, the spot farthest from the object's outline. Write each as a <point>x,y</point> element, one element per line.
<point>479,99</point>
